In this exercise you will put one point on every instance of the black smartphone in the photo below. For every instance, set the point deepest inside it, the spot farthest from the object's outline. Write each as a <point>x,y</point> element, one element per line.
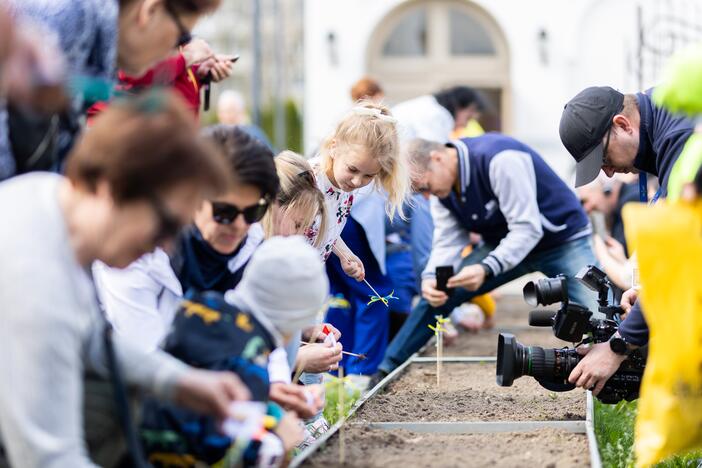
<point>443,273</point>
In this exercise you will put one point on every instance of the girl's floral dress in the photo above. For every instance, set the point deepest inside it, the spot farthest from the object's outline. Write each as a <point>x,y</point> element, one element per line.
<point>338,204</point>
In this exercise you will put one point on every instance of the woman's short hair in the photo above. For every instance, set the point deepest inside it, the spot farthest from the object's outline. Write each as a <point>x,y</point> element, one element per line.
<point>458,98</point>
<point>250,161</point>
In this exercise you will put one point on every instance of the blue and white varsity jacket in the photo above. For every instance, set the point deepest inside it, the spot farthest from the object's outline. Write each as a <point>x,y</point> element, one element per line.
<point>509,196</point>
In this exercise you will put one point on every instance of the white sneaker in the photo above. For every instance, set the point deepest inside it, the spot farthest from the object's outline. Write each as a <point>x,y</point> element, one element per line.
<point>468,316</point>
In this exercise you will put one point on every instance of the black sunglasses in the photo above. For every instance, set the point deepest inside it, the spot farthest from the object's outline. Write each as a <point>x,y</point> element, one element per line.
<point>226,213</point>
<point>184,36</point>
<point>169,225</point>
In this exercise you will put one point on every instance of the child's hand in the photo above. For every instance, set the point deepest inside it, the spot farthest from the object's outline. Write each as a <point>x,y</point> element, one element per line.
<point>353,266</point>
<point>316,396</point>
<point>292,398</point>
<point>319,357</point>
<point>290,431</point>
<point>314,333</point>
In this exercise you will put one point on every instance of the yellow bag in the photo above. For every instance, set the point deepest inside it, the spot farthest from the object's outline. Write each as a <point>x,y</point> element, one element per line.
<point>668,242</point>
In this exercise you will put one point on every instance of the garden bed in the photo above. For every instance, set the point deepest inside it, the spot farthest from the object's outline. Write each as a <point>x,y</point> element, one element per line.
<point>382,449</point>
<point>468,393</point>
<point>469,420</point>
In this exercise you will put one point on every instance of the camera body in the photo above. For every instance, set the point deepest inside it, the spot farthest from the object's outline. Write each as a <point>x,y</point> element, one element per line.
<point>572,321</point>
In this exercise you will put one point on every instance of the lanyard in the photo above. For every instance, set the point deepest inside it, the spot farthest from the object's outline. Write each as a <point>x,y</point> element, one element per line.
<point>643,187</point>
<point>193,80</point>
<point>643,190</point>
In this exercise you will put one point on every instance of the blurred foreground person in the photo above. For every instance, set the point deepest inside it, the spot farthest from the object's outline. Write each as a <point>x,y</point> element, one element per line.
<point>130,184</point>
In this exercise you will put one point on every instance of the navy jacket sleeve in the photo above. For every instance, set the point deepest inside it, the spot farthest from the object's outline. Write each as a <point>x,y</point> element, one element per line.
<point>634,328</point>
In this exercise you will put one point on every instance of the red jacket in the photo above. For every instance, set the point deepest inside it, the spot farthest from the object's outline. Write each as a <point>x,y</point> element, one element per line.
<point>171,72</point>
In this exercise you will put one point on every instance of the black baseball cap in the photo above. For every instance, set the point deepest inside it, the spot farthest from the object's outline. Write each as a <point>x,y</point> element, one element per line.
<point>584,123</point>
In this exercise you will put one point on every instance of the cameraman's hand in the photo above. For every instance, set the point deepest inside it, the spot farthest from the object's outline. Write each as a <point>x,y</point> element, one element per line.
<point>598,365</point>
<point>470,277</point>
<point>434,297</point>
<point>628,300</point>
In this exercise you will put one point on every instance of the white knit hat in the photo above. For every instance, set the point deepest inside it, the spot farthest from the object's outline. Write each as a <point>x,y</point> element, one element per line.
<point>285,283</point>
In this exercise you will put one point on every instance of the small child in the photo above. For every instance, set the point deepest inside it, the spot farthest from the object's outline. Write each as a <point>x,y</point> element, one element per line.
<point>281,291</point>
<point>363,148</point>
<point>298,203</point>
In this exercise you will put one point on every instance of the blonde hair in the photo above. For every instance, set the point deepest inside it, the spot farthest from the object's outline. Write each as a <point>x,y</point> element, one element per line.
<point>371,126</point>
<point>298,191</point>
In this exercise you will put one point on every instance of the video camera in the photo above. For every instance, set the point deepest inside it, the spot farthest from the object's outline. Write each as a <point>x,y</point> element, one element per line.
<point>552,366</point>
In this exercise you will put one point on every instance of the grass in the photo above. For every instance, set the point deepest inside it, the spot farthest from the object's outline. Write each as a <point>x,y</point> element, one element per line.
<point>331,409</point>
<point>614,428</point>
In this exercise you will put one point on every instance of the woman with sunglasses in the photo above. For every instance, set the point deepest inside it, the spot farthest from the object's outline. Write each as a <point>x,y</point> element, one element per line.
<point>209,255</point>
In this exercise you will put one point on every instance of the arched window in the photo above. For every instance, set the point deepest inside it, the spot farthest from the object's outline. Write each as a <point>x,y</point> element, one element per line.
<point>468,36</point>
<point>409,38</point>
<point>423,46</point>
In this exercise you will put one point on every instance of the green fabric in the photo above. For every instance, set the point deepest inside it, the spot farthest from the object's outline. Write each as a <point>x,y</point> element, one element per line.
<point>686,167</point>
<point>681,87</point>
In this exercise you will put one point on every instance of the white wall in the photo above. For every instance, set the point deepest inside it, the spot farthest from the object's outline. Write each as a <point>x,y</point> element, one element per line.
<point>588,45</point>
<point>327,86</point>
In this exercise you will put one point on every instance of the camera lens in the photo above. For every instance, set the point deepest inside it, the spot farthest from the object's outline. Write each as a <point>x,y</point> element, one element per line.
<point>546,291</point>
<point>544,364</point>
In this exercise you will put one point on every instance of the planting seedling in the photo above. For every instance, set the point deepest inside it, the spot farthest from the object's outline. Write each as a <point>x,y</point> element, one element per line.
<point>376,297</point>
<point>439,331</point>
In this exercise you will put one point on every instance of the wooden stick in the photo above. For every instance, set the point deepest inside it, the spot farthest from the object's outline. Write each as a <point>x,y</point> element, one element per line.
<point>342,417</point>
<point>439,353</point>
<point>359,356</point>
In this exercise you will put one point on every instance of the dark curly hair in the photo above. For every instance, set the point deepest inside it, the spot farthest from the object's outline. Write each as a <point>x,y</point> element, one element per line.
<point>251,162</point>
<point>459,97</point>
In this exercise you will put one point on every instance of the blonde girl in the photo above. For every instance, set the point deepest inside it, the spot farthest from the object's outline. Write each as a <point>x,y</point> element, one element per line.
<point>363,148</point>
<point>299,202</point>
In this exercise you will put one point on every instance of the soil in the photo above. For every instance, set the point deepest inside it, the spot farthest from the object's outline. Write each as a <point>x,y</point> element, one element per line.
<point>468,393</point>
<point>382,449</point>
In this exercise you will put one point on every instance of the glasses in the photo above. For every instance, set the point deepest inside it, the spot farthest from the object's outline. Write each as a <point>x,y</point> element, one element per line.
<point>169,225</point>
<point>226,213</point>
<point>605,160</point>
<point>184,36</point>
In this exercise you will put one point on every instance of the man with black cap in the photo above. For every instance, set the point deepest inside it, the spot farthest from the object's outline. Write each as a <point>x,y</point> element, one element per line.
<point>604,129</point>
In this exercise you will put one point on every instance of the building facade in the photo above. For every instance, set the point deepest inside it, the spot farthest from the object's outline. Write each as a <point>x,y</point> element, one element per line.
<point>528,58</point>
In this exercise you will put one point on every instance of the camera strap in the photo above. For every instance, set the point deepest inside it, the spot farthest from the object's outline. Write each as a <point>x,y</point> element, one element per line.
<point>122,402</point>
<point>124,414</point>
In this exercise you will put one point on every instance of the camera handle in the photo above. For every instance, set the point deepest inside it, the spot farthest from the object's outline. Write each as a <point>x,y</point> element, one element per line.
<point>611,312</point>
